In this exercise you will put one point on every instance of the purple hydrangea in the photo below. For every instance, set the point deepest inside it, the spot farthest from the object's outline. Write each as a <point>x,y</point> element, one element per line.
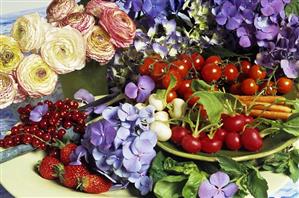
<point>38,112</point>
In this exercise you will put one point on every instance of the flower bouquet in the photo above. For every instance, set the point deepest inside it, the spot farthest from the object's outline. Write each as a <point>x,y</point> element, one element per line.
<point>202,95</point>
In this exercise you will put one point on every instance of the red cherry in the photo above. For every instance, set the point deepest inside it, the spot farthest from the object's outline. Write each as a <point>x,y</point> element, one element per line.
<point>232,141</point>
<point>211,145</point>
<point>220,134</point>
<point>14,130</point>
<point>191,144</point>
<point>178,133</point>
<point>251,139</point>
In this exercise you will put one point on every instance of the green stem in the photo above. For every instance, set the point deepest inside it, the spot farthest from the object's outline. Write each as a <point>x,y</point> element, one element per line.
<point>271,130</point>
<point>195,134</point>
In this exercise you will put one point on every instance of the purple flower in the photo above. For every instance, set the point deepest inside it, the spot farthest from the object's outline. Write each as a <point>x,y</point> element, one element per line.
<point>84,95</point>
<point>122,134</point>
<point>141,91</point>
<point>110,114</point>
<point>78,154</point>
<point>271,7</point>
<point>217,186</point>
<point>290,68</point>
<point>266,30</point>
<point>127,113</point>
<point>38,112</point>
<point>101,134</point>
<point>144,184</point>
<point>146,116</point>
<point>100,159</point>
<point>115,159</point>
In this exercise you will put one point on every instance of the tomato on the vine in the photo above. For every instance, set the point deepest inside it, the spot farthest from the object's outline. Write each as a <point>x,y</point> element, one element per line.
<point>191,144</point>
<point>213,59</point>
<point>180,66</point>
<point>257,73</point>
<point>211,72</point>
<point>186,58</point>
<point>235,89</point>
<point>170,96</point>
<point>198,60</point>
<point>185,87</point>
<point>148,63</point>
<point>245,67</point>
<point>230,72</point>
<point>159,69</point>
<point>190,99</point>
<point>167,77</point>
<point>269,88</point>
<point>249,87</point>
<point>284,85</point>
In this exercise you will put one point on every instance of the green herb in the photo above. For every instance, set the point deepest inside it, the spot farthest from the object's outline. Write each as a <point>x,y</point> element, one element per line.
<point>292,8</point>
<point>170,186</point>
<point>156,170</point>
<point>200,85</point>
<point>185,168</point>
<point>191,187</point>
<point>231,167</point>
<point>256,184</point>
<point>291,126</point>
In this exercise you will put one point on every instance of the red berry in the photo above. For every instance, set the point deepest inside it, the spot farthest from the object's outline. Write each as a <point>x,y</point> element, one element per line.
<point>61,133</point>
<point>211,145</point>
<point>191,144</point>
<point>230,72</point>
<point>213,59</point>
<point>251,139</point>
<point>14,130</point>
<point>249,87</point>
<point>211,72</point>
<point>234,123</point>
<point>43,124</point>
<point>36,142</point>
<point>67,124</point>
<point>47,168</point>
<point>46,137</point>
<point>284,85</point>
<point>74,104</point>
<point>1,143</point>
<point>39,133</point>
<point>59,104</point>
<point>178,133</point>
<point>27,139</point>
<point>220,134</point>
<point>70,174</point>
<point>94,184</point>
<point>65,153</point>
<point>256,73</point>
<point>232,141</point>
<point>198,60</point>
<point>245,67</point>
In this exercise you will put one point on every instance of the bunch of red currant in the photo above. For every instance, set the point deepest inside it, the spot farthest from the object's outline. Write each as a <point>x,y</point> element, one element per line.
<point>61,115</point>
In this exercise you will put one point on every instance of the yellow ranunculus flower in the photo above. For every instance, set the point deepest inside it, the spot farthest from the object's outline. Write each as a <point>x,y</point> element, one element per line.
<point>7,90</point>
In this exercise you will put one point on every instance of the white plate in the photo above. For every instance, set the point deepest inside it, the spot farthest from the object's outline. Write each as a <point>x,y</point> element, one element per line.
<point>20,179</point>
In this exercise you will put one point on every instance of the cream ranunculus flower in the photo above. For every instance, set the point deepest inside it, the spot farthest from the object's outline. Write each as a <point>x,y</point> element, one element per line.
<point>7,90</point>
<point>29,30</point>
<point>99,46</point>
<point>10,54</point>
<point>36,77</point>
<point>64,50</point>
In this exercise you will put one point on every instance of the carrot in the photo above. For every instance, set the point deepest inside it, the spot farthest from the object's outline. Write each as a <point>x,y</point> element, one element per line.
<point>270,114</point>
<point>268,99</point>
<point>267,106</point>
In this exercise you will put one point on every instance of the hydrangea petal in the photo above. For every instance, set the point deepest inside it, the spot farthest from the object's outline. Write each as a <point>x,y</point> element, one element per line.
<point>219,179</point>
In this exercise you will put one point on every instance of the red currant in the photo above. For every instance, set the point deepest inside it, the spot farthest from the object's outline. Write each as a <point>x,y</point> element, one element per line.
<point>61,133</point>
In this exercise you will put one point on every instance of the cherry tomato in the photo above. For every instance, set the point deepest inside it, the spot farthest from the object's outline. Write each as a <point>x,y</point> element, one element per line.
<point>249,87</point>
<point>159,69</point>
<point>211,145</point>
<point>191,144</point>
<point>198,60</point>
<point>185,87</point>
<point>186,59</point>
<point>230,72</point>
<point>234,123</point>
<point>251,139</point>
<point>232,141</point>
<point>256,73</point>
<point>245,67</point>
<point>235,89</point>
<point>167,77</point>
<point>190,99</point>
<point>178,133</point>
<point>211,72</point>
<point>269,88</point>
<point>181,67</point>
<point>220,134</point>
<point>213,59</point>
<point>170,96</point>
<point>284,85</point>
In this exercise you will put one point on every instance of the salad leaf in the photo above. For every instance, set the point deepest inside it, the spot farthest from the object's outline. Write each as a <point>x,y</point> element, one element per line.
<point>200,85</point>
<point>185,168</point>
<point>212,105</point>
<point>292,8</point>
<point>191,187</point>
<point>291,126</point>
<point>231,103</point>
<point>170,186</point>
<point>156,170</point>
<point>256,184</point>
<point>231,166</point>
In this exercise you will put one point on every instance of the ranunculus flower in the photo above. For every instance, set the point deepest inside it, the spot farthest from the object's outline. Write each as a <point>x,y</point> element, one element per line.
<point>119,26</point>
<point>7,90</point>
<point>64,50</point>
<point>58,9</point>
<point>10,54</point>
<point>99,46</point>
<point>96,7</point>
<point>29,30</point>
<point>36,77</point>
<point>80,21</point>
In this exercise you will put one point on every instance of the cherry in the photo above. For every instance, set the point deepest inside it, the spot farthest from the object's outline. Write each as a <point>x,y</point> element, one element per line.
<point>211,145</point>
<point>248,119</point>
<point>251,139</point>
<point>178,133</point>
<point>234,123</point>
<point>232,141</point>
<point>191,144</point>
<point>220,134</point>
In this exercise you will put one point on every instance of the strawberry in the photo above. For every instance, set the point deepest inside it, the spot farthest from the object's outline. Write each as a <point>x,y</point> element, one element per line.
<point>70,174</point>
<point>65,153</point>
<point>47,167</point>
<point>94,184</point>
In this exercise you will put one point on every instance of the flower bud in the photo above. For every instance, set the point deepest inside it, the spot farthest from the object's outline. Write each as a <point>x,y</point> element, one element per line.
<point>7,90</point>
<point>99,47</point>
<point>96,7</point>
<point>36,77</point>
<point>10,54</point>
<point>64,50</point>
<point>29,30</point>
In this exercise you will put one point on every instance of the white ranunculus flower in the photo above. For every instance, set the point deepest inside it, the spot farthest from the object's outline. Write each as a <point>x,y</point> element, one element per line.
<point>36,77</point>
<point>29,30</point>
<point>7,90</point>
<point>64,50</point>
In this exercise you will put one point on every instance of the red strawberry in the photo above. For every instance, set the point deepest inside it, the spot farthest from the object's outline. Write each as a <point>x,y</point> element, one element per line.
<point>65,153</point>
<point>70,174</point>
<point>94,184</point>
<point>47,167</point>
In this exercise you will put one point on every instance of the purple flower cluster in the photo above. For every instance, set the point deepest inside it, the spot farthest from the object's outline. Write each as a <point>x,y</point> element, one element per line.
<point>121,146</point>
<point>254,22</point>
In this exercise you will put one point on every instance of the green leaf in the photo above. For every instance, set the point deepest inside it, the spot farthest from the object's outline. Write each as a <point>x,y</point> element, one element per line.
<point>212,105</point>
<point>294,170</point>
<point>256,184</point>
<point>229,101</point>
<point>191,187</point>
<point>231,167</point>
<point>291,126</point>
<point>170,186</point>
<point>185,168</point>
<point>161,94</point>
<point>156,170</point>
<point>200,85</point>
<point>292,8</point>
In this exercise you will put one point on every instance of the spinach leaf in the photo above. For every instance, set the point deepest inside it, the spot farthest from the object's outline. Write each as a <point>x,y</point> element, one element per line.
<point>185,168</point>
<point>229,101</point>
<point>231,167</point>
<point>256,184</point>
<point>292,8</point>
<point>191,187</point>
<point>170,186</point>
<point>291,126</point>
<point>156,170</point>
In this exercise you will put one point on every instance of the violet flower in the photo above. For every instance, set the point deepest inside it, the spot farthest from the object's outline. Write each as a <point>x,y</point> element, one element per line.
<point>78,154</point>
<point>141,91</point>
<point>217,186</point>
<point>38,112</point>
<point>84,96</point>
<point>127,113</point>
<point>144,185</point>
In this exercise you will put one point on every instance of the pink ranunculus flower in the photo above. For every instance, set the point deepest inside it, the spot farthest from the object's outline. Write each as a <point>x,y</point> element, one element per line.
<point>59,9</point>
<point>7,90</point>
<point>80,21</point>
<point>119,26</point>
<point>96,7</point>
